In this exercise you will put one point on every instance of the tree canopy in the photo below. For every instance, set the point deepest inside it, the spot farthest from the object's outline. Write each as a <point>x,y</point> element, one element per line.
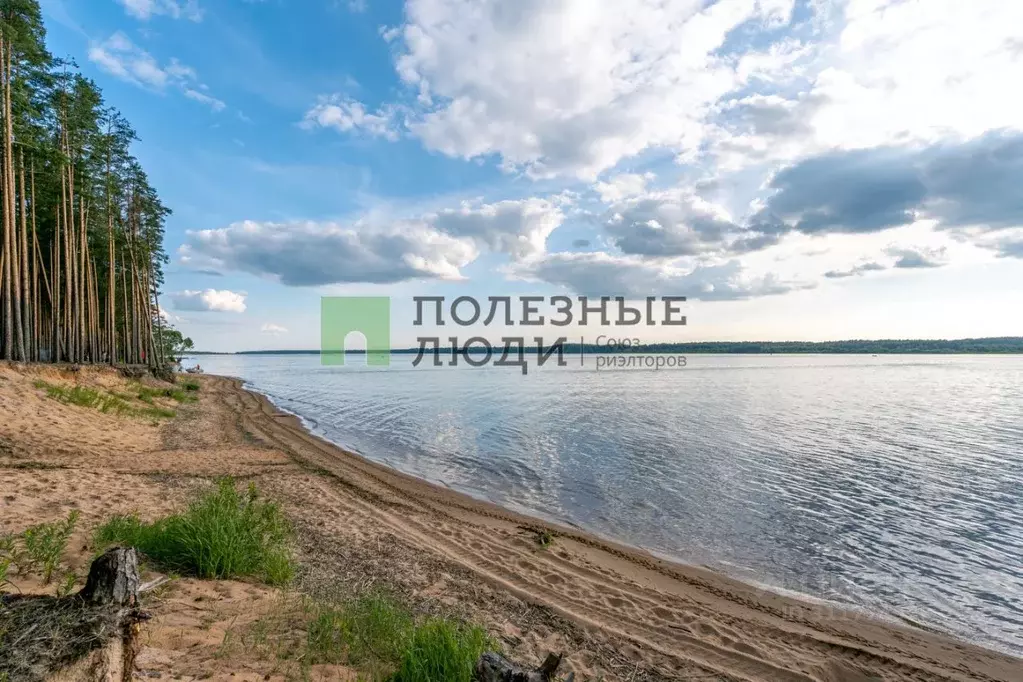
<point>81,257</point>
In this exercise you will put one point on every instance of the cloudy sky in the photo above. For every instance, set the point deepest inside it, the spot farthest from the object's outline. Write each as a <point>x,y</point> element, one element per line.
<point>800,169</point>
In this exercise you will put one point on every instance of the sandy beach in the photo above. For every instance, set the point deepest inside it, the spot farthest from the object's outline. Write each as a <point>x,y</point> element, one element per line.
<point>617,613</point>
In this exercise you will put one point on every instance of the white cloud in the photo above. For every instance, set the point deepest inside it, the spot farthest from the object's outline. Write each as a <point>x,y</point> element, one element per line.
<point>273,329</point>
<point>346,115</point>
<point>565,88</point>
<point>210,101</point>
<point>120,57</point>
<point>887,72</point>
<point>518,228</point>
<point>176,9</point>
<point>428,246</point>
<point>921,69</point>
<point>317,253</point>
<point>221,300</point>
<point>603,274</point>
<point>622,186</point>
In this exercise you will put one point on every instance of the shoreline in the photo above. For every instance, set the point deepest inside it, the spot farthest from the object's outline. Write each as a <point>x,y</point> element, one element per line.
<point>620,614</point>
<point>837,627</point>
<point>564,526</point>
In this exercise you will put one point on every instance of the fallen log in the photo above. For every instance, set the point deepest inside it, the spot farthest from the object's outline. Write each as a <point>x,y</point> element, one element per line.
<point>493,667</point>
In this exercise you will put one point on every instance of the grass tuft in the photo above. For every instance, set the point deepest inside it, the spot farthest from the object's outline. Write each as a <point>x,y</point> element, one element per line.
<point>442,649</point>
<point>383,641</point>
<point>191,385</point>
<point>222,534</point>
<point>542,536</point>
<point>365,630</point>
<point>147,393</point>
<point>37,549</point>
<point>110,403</point>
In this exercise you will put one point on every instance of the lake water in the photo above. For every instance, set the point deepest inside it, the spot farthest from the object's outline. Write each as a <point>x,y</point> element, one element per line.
<point>891,483</point>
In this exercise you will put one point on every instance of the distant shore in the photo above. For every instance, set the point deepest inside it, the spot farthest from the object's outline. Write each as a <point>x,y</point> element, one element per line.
<point>1003,345</point>
<point>617,612</point>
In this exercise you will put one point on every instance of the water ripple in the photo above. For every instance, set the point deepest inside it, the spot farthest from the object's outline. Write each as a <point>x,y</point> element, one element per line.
<point>894,484</point>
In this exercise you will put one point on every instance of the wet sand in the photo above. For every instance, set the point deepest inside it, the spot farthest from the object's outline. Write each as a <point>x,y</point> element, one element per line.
<point>616,612</point>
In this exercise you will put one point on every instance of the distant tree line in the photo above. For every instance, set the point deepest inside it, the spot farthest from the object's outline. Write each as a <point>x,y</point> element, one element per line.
<point>82,250</point>
<point>1004,344</point>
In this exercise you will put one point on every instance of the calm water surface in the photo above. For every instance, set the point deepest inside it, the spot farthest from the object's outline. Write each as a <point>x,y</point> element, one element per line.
<point>894,484</point>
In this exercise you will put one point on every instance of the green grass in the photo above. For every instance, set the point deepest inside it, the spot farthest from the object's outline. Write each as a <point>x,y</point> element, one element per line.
<point>109,403</point>
<point>442,649</point>
<point>542,536</point>
<point>147,393</point>
<point>373,634</point>
<point>222,534</point>
<point>37,549</point>
<point>363,631</point>
<point>191,385</point>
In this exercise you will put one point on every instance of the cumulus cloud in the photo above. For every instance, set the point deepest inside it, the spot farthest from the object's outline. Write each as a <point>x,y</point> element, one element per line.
<point>1010,248</point>
<point>176,9</point>
<point>120,57</point>
<point>221,300</point>
<point>312,254</point>
<point>273,329</point>
<point>571,88</point>
<point>518,228</point>
<point>882,72</point>
<point>971,184</point>
<point>622,186</point>
<point>604,274</point>
<point>855,270</point>
<point>431,246</point>
<point>346,115</point>
<point>912,258</point>
<point>669,223</point>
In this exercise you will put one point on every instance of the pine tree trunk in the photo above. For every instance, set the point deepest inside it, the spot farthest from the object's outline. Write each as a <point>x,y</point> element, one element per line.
<point>26,288</point>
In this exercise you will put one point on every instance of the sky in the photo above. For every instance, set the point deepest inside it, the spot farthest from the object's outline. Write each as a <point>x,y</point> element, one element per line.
<point>798,169</point>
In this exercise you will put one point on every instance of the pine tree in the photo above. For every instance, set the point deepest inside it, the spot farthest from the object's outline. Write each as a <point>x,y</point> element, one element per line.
<point>81,249</point>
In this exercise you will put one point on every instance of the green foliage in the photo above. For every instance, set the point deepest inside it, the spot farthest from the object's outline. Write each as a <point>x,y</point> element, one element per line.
<point>108,403</point>
<point>191,385</point>
<point>74,152</point>
<point>175,344</point>
<point>67,584</point>
<point>223,534</point>
<point>37,549</point>
<point>365,630</point>
<point>542,536</point>
<point>442,649</point>
<point>147,393</point>
<point>383,641</point>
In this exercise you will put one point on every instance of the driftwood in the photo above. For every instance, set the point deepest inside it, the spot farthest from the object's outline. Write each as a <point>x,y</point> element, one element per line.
<point>88,636</point>
<point>493,667</point>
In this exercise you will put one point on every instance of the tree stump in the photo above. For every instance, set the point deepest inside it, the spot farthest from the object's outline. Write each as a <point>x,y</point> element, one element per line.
<point>113,579</point>
<point>88,636</point>
<point>493,667</point>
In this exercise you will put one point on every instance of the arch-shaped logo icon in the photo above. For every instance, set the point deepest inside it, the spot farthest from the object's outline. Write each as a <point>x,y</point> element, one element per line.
<point>342,315</point>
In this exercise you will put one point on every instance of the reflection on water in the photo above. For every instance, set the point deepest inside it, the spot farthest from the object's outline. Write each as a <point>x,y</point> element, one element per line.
<point>891,483</point>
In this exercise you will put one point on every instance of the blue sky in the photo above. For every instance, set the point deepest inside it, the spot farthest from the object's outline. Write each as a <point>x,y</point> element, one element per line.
<point>800,169</point>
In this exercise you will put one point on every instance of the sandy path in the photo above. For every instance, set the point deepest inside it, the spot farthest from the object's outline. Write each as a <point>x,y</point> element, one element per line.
<point>666,620</point>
